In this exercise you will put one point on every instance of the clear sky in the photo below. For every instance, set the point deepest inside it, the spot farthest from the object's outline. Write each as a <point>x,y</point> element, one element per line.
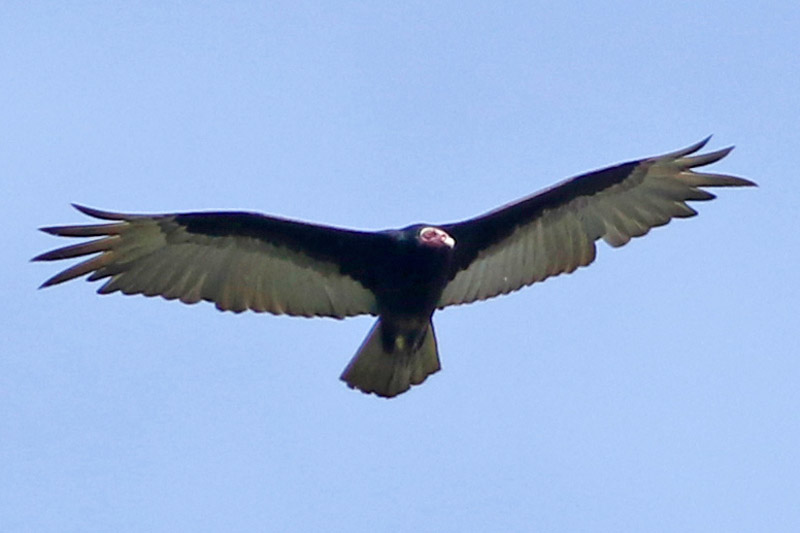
<point>656,390</point>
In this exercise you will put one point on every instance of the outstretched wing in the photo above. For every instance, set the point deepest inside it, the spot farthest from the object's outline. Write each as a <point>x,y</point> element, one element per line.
<point>239,261</point>
<point>554,231</point>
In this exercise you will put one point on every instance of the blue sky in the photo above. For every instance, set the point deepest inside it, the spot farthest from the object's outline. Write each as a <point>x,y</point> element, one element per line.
<point>656,390</point>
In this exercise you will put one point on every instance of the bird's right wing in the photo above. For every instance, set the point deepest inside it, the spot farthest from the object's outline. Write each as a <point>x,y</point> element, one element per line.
<point>239,261</point>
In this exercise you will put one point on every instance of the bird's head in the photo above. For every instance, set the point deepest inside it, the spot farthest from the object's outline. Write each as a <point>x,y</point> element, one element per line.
<point>435,237</point>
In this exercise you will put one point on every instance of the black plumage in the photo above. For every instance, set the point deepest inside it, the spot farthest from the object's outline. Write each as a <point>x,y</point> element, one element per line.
<point>247,261</point>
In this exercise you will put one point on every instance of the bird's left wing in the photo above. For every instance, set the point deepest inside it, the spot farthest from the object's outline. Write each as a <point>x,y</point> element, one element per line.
<point>239,261</point>
<point>554,231</point>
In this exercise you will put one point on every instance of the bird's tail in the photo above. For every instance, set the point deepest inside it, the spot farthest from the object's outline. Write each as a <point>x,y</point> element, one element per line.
<point>388,363</point>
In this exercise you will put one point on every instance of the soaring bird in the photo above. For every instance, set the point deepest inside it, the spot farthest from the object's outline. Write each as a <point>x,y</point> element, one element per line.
<point>247,261</point>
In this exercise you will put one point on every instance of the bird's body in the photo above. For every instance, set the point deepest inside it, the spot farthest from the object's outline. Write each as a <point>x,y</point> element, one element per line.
<point>247,261</point>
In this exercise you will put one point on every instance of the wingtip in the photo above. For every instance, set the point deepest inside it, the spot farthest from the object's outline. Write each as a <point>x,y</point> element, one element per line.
<point>701,160</point>
<point>743,182</point>
<point>82,208</point>
<point>728,149</point>
<point>699,145</point>
<point>98,213</point>
<point>48,283</point>
<point>683,152</point>
<point>50,230</point>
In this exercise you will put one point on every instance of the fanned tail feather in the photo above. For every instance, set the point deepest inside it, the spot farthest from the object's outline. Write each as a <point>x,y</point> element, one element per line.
<point>387,373</point>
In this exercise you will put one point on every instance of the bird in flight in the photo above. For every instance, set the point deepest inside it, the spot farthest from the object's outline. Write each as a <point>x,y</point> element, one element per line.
<point>246,261</point>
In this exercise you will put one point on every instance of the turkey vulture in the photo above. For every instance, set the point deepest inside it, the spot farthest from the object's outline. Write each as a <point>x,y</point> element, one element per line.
<point>244,261</point>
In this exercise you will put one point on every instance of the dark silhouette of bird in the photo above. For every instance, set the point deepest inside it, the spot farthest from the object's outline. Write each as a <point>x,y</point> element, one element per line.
<point>246,261</point>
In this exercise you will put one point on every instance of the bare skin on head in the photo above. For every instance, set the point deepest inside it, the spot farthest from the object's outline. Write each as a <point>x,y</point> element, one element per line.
<point>431,236</point>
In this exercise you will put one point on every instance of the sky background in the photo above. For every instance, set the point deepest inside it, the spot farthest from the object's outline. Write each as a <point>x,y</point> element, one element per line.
<point>656,390</point>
